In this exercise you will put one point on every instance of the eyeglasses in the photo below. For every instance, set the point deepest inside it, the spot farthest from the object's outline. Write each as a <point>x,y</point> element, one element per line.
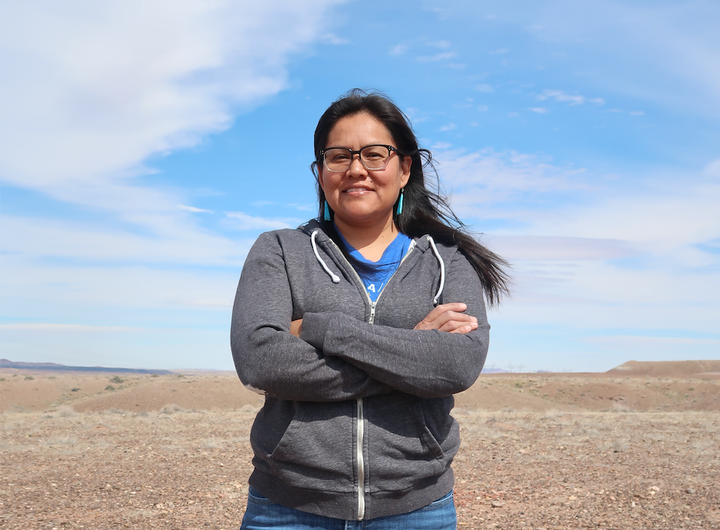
<point>373,157</point>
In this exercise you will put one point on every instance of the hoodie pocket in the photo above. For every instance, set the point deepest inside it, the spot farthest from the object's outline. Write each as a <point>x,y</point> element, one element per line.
<point>405,444</point>
<point>315,452</point>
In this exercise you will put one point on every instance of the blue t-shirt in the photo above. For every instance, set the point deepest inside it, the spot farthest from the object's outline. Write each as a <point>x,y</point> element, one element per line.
<point>375,274</point>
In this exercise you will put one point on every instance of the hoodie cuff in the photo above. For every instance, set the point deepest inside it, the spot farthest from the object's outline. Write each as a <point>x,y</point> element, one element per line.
<point>314,328</point>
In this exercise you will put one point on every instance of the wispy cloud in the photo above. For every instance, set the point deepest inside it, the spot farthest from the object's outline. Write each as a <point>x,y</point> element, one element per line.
<point>538,110</point>
<point>665,48</point>
<point>555,248</point>
<point>399,49</point>
<point>75,328</point>
<point>243,221</point>
<point>444,56</point>
<point>572,99</point>
<point>331,38</point>
<point>442,44</point>
<point>632,340</point>
<point>448,127</point>
<point>176,240</point>
<point>96,90</point>
<point>193,209</point>
<point>147,84</point>
<point>485,88</point>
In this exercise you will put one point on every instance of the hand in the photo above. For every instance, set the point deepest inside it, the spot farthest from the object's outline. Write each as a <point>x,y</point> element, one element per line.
<point>295,326</point>
<point>450,318</point>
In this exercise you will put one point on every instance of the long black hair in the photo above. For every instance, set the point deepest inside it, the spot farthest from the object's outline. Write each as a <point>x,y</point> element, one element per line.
<point>424,211</point>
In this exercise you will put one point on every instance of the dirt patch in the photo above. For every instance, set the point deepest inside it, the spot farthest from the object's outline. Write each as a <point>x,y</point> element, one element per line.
<point>515,470</point>
<point>540,451</point>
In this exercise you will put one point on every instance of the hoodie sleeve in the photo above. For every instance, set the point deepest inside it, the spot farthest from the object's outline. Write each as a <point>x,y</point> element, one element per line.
<point>267,356</point>
<point>425,363</point>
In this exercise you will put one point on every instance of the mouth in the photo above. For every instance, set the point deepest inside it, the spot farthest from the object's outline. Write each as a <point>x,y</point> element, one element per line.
<point>357,189</point>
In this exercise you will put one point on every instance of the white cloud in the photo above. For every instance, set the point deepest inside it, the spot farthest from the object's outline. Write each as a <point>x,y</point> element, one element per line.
<point>110,293</point>
<point>485,88</point>
<point>488,176</point>
<point>713,168</point>
<point>592,252</point>
<point>554,248</point>
<point>75,328</point>
<point>559,95</point>
<point>630,340</point>
<point>92,89</point>
<point>661,52</point>
<point>483,108</point>
<point>176,240</point>
<point>448,127</point>
<point>399,49</point>
<point>442,44</point>
<point>331,38</point>
<point>437,57</point>
<point>243,221</point>
<point>193,209</point>
<point>538,110</point>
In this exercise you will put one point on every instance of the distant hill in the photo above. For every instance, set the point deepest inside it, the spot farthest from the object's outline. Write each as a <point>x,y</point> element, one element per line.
<point>666,368</point>
<point>494,371</point>
<point>5,363</point>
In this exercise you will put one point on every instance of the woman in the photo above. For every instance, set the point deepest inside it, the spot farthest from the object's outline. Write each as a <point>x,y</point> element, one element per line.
<point>359,327</point>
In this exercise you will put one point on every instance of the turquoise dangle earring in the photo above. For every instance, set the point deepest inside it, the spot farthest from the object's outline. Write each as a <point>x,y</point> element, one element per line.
<point>400,202</point>
<point>326,217</point>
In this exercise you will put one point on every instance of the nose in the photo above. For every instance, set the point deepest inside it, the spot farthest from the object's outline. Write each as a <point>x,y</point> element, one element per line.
<point>356,165</point>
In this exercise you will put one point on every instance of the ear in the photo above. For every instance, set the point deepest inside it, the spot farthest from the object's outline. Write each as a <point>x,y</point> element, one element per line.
<point>405,166</point>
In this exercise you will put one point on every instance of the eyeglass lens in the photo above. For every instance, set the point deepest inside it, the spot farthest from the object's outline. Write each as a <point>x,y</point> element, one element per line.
<point>371,156</point>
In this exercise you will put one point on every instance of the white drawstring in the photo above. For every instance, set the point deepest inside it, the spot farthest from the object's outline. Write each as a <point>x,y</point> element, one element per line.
<point>335,277</point>
<point>442,270</point>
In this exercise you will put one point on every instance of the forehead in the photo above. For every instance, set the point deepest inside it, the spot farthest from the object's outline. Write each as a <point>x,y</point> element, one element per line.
<point>357,131</point>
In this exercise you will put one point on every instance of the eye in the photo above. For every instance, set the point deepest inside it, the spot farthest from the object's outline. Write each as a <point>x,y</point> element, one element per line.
<point>375,152</point>
<point>337,155</point>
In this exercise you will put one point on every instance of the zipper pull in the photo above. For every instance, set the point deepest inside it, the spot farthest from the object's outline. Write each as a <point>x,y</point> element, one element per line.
<point>372,312</point>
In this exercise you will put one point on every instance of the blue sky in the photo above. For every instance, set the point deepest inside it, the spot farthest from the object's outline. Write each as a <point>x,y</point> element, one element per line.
<point>146,145</point>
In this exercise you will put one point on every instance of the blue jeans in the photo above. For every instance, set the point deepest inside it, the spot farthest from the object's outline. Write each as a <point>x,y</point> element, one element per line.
<point>262,513</point>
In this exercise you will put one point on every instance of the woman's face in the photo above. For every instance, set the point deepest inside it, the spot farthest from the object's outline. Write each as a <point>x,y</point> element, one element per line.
<point>361,197</point>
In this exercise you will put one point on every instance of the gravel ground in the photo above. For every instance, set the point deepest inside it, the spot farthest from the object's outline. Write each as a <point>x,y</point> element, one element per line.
<point>175,468</point>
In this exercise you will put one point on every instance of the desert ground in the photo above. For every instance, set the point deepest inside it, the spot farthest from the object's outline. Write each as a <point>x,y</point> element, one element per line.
<point>634,448</point>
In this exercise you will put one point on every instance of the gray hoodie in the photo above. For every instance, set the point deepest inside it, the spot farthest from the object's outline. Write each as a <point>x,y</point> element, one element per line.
<point>356,422</point>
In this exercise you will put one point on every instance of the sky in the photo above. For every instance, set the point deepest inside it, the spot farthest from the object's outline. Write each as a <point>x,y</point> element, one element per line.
<point>145,145</point>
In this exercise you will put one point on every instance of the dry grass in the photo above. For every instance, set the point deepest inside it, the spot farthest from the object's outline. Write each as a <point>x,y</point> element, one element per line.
<point>549,451</point>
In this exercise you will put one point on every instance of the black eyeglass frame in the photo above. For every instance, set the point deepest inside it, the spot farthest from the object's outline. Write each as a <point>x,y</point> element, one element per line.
<point>353,153</point>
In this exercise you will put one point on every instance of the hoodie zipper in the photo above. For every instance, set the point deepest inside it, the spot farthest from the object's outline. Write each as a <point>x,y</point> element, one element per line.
<point>360,428</point>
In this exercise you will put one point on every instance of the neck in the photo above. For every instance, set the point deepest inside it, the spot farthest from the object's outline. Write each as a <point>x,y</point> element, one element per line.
<point>371,241</point>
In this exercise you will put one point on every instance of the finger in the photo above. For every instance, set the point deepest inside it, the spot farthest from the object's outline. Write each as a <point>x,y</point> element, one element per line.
<point>444,321</point>
<point>456,307</point>
<point>295,327</point>
<point>452,316</point>
<point>453,326</point>
<point>443,313</point>
<point>464,329</point>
